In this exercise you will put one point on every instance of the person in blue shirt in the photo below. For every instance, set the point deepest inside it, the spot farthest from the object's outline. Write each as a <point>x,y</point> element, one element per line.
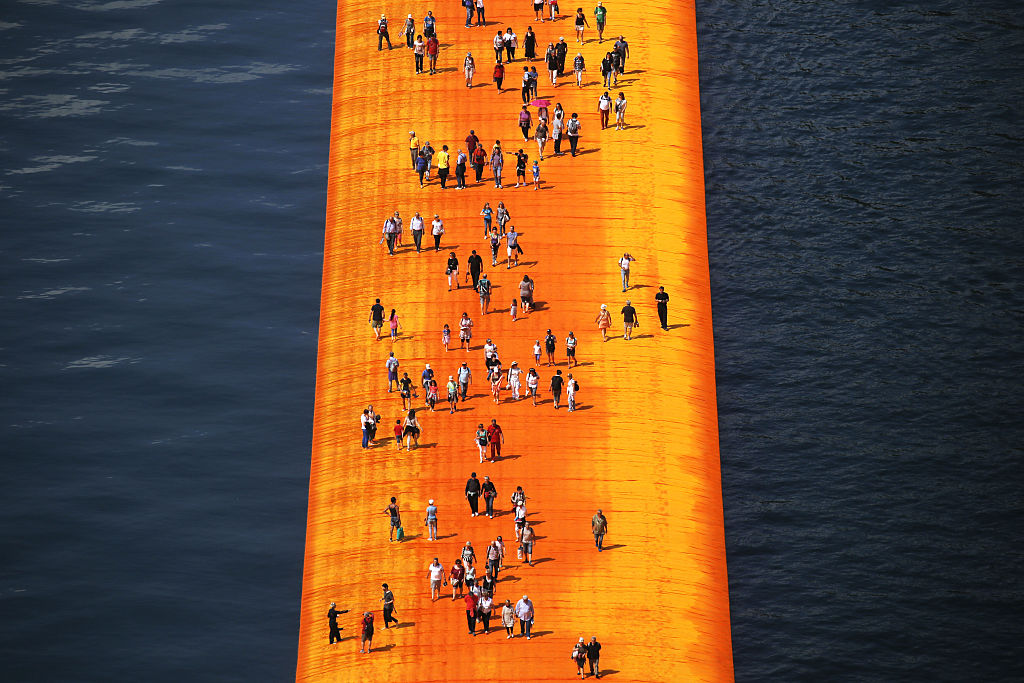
<point>428,25</point>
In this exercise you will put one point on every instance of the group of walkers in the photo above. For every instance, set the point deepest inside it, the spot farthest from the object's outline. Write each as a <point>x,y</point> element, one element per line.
<point>393,230</point>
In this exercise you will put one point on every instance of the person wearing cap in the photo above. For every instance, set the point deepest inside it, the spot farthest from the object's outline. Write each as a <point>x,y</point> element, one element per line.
<point>460,170</point>
<point>579,656</point>
<point>515,374</point>
<point>570,349</point>
<point>495,437</point>
<point>473,496</point>
<point>389,605</point>
<point>332,623</point>
<point>525,614</point>
<point>437,577</point>
<point>436,230</point>
<point>571,387</point>
<point>366,640</point>
<point>469,66</point>
<point>409,31</point>
<point>483,288</point>
<point>599,526</point>
<point>414,147</point>
<point>600,16</point>
<point>382,33</point>
<point>431,520</point>
<point>629,320</point>
<point>489,492</point>
<point>561,51</point>
<point>426,377</point>
<point>593,657</point>
<point>604,321</point>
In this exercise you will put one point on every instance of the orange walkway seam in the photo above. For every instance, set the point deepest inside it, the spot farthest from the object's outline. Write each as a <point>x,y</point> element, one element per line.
<point>643,445</point>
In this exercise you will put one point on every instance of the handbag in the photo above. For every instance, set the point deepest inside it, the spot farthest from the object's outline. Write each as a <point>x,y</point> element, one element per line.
<point>401,533</point>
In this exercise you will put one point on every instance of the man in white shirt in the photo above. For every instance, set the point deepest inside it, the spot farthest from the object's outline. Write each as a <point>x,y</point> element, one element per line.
<point>389,233</point>
<point>465,378</point>
<point>624,267</point>
<point>524,611</point>
<point>416,227</point>
<point>437,576</point>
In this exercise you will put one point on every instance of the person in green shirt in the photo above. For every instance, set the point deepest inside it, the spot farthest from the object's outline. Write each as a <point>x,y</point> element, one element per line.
<point>599,15</point>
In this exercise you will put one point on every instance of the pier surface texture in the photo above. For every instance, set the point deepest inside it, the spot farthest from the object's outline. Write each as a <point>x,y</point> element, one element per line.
<point>643,443</point>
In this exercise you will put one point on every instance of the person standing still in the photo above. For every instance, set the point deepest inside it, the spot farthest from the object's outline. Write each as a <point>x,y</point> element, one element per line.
<point>395,516</point>
<point>416,228</point>
<point>571,387</point>
<point>409,31</point>
<point>620,112</point>
<point>499,74</point>
<point>473,489</point>
<point>332,623</point>
<point>436,230</point>
<point>366,638</point>
<point>389,605</point>
<point>495,438</point>
<point>460,170</point>
<point>376,318</point>
<point>431,520</point>
<point>599,526</point>
<point>629,320</point>
<point>624,262</point>
<point>483,288</point>
<point>419,48</point>
<point>480,20</point>
<point>604,107</point>
<point>661,298</point>
<point>469,66</point>
<point>444,160</point>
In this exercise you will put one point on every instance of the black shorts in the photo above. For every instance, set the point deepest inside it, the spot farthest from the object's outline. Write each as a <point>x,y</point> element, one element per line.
<point>571,352</point>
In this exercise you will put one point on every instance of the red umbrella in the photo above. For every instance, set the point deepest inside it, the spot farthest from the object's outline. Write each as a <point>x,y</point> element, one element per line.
<point>540,103</point>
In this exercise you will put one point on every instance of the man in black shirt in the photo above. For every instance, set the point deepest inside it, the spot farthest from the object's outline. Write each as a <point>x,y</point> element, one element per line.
<point>473,492</point>
<point>549,347</point>
<point>332,621</point>
<point>561,48</point>
<point>662,298</point>
<point>593,654</point>
<point>377,318</point>
<point>556,387</point>
<point>629,320</point>
<point>476,264</point>
<point>389,606</point>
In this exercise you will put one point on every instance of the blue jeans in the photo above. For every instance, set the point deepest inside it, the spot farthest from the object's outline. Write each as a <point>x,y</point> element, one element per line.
<point>469,16</point>
<point>366,437</point>
<point>598,540</point>
<point>524,627</point>
<point>625,280</point>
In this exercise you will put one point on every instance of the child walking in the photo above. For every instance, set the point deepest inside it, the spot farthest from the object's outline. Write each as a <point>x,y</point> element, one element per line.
<point>394,325</point>
<point>446,336</point>
<point>536,176</point>
<point>514,308</point>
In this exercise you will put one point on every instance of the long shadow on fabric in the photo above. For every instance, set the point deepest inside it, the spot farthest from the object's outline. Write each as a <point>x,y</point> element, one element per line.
<point>409,537</point>
<point>544,559</point>
<point>643,336</point>
<point>608,672</point>
<point>677,325</point>
<point>507,457</point>
<point>405,624</point>
<point>579,407</point>
<point>385,648</point>
<point>441,538</point>
<point>538,634</point>
<point>613,547</point>
<point>587,150</point>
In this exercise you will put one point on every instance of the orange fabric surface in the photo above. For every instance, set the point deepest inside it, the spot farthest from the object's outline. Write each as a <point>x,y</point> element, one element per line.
<point>643,445</point>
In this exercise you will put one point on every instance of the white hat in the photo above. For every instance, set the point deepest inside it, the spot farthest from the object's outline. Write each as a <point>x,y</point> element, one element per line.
<point>410,16</point>
<point>526,597</point>
<point>469,543</point>
<point>382,16</point>
<point>332,604</point>
<point>604,307</point>
<point>430,502</point>
<point>428,366</point>
<point>581,639</point>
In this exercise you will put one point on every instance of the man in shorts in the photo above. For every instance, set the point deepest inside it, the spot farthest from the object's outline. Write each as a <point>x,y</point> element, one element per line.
<point>377,318</point>
<point>570,349</point>
<point>483,287</point>
<point>392,365</point>
<point>629,320</point>
<point>600,15</point>
<point>437,577</point>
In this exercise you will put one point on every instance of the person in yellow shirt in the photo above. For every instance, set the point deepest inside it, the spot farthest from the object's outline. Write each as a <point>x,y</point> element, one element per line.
<point>414,147</point>
<point>444,160</point>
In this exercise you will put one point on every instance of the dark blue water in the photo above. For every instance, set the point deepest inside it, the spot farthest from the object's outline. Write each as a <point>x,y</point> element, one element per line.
<point>863,173</point>
<point>162,177</point>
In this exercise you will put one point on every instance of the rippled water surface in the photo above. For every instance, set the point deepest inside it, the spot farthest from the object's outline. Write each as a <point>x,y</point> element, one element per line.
<point>162,177</point>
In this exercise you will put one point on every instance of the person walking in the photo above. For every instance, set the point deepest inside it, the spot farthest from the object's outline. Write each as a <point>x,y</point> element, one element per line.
<point>538,10</point>
<point>496,164</point>
<point>480,439</point>
<point>484,605</point>
<point>444,160</point>
<point>604,107</point>
<point>414,147</point>
<point>390,231</point>
<point>629,320</point>
<point>430,25</point>
<point>475,264</point>
<point>453,394</point>
<point>416,228</point>
<point>469,66</point>
<point>495,379</point>
<point>366,639</point>
<point>604,322</point>
<point>525,613</point>
<point>489,493</point>
<point>488,213</point>
<point>422,169</point>
<point>460,170</point>
<point>495,437</point>
<point>561,51</point>
<point>551,59</point>
<point>570,350</point>
<point>518,498</point>
<point>572,129</point>
<point>571,387</point>
<point>525,122</point>
<point>388,598</point>
<point>473,492</point>
<point>499,74</point>
<point>495,553</point>
<point>395,515</point>
<point>457,577</point>
<point>480,13</point>
<point>364,421</point>
<point>465,378</point>
<point>521,159</point>
<point>409,31</point>
<point>468,559</point>
<point>430,521</point>
<point>556,387</point>
<point>432,395</point>
<point>532,384</point>
<point>620,112</point>
<point>472,142</point>
<point>526,87</point>
<point>376,318</point>
<point>526,289</point>
<point>437,230</point>
<point>511,41</point>
<point>558,132</point>
<point>392,367</point>
<point>519,520</point>
<point>599,526</point>
<point>502,216</point>
<point>508,619</point>
<point>579,657</point>
<point>622,49</point>
<point>550,342</point>
<point>411,430</point>
<point>470,6</point>
<point>495,241</point>
<point>437,576</point>
<point>594,657</point>
<point>600,17</point>
<point>580,22</point>
<point>372,420</point>
<point>624,263</point>
<point>536,186</point>
<point>483,288</point>
<point>553,4</point>
<point>514,379</point>
<point>607,66</point>
<point>419,48</point>
<point>452,270</point>
<point>541,135</point>
<point>579,67</point>
<point>382,33</point>
<point>534,80</point>
<point>661,299</point>
<point>432,49</point>
<point>529,537</point>
<point>498,43</point>
<point>394,325</point>
<point>530,44</point>
<point>332,624</point>
<point>471,601</point>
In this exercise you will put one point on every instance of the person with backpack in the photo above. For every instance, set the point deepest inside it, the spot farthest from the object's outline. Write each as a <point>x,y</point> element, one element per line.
<point>382,35</point>
<point>572,129</point>
<point>571,387</point>
<point>483,288</point>
<point>570,350</point>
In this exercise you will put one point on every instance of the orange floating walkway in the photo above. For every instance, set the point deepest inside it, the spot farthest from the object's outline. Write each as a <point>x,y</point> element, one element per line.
<point>643,445</point>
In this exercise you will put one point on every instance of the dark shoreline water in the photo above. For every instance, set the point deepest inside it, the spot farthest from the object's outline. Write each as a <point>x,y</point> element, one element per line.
<point>163,188</point>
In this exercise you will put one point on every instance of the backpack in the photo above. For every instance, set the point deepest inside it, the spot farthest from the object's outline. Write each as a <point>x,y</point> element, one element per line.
<point>574,127</point>
<point>484,287</point>
<point>575,385</point>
